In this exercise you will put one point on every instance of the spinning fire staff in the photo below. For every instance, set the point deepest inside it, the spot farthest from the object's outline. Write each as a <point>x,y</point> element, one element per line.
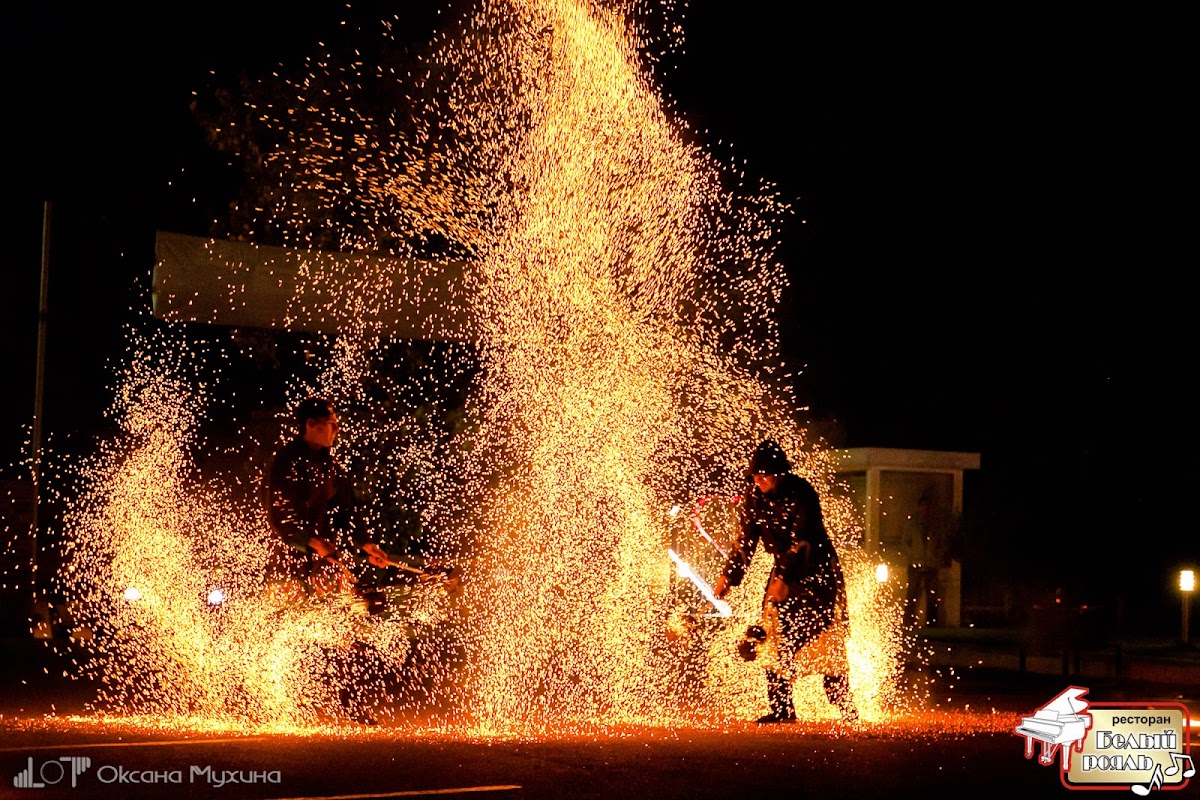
<point>685,571</point>
<point>805,596</point>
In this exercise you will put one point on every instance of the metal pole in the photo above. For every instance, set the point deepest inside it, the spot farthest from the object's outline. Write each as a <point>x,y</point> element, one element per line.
<point>36,445</point>
<point>1186,597</point>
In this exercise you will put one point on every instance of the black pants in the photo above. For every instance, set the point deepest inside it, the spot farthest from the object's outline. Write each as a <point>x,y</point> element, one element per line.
<point>801,621</point>
<point>923,582</point>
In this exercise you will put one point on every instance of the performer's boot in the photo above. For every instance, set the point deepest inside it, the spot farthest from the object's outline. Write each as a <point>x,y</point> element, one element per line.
<point>837,689</point>
<point>779,695</point>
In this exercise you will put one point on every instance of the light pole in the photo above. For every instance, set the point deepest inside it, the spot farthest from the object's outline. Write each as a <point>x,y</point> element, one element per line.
<point>1187,585</point>
<point>38,391</point>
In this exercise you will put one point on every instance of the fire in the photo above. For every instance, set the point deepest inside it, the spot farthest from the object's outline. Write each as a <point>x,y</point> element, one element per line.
<point>168,574</point>
<point>608,396</point>
<point>625,287</point>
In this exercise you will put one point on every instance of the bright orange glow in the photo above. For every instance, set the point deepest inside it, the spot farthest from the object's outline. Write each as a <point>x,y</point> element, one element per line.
<point>625,290</point>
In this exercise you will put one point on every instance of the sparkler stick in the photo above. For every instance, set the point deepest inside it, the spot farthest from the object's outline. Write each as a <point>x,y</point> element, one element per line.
<point>686,571</point>
<point>388,561</point>
<point>448,576</point>
<point>700,527</point>
<point>391,562</point>
<point>380,558</point>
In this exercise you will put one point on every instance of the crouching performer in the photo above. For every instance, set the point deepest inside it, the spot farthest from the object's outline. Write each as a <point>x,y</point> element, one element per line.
<point>805,597</point>
<point>310,502</point>
<point>319,531</point>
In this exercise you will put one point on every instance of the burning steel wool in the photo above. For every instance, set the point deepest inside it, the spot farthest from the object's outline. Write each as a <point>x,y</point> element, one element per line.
<point>623,287</point>
<point>167,575</point>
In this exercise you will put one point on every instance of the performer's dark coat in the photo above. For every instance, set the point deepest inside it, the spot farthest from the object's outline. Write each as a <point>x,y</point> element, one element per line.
<point>789,523</point>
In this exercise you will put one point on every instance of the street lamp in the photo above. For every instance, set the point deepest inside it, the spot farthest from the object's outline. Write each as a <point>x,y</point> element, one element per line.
<point>1187,585</point>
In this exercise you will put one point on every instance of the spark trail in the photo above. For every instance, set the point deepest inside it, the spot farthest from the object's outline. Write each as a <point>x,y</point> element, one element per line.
<point>608,392</point>
<point>624,289</point>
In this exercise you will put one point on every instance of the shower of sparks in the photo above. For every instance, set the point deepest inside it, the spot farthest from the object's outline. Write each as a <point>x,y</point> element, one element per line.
<point>625,299</point>
<point>166,575</point>
<point>623,290</point>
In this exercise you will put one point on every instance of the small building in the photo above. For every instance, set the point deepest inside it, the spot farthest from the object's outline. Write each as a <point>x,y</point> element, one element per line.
<point>911,503</point>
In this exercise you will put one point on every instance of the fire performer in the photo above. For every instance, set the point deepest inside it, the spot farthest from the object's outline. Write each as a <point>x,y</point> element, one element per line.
<point>312,509</point>
<point>806,594</point>
<point>310,500</point>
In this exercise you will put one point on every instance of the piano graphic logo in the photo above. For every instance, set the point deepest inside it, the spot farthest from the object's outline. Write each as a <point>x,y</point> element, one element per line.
<point>1060,726</point>
<point>1142,747</point>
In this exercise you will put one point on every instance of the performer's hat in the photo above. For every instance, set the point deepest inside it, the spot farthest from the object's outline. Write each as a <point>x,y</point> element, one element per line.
<point>769,459</point>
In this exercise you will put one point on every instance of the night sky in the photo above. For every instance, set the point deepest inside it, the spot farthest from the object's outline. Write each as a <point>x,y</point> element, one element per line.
<point>987,253</point>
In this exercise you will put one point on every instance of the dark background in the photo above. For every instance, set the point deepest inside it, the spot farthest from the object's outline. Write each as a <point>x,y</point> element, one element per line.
<point>987,253</point>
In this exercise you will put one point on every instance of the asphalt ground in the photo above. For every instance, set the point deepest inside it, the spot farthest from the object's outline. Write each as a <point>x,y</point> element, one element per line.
<point>796,761</point>
<point>952,738</point>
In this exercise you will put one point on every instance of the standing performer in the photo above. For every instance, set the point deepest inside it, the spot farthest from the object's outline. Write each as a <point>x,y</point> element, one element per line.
<point>806,593</point>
